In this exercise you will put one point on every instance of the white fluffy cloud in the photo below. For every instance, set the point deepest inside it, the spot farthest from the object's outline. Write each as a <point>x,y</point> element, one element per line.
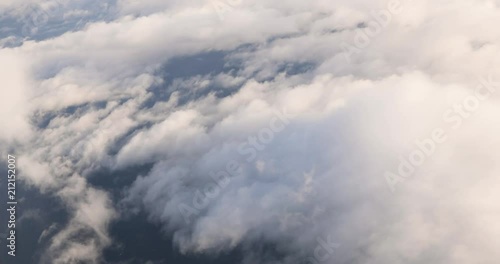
<point>15,107</point>
<point>323,175</point>
<point>318,174</point>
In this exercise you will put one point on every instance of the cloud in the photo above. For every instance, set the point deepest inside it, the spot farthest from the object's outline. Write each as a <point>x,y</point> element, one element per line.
<point>84,100</point>
<point>324,174</point>
<point>15,108</point>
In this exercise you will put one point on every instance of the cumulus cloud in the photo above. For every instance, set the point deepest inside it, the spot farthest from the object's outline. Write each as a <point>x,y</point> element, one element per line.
<point>14,103</point>
<point>294,153</point>
<point>322,175</point>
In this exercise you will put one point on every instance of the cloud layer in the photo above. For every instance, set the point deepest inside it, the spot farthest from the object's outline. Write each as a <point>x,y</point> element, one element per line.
<point>287,144</point>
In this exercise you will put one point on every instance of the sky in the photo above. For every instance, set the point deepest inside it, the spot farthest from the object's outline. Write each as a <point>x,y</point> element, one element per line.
<point>250,131</point>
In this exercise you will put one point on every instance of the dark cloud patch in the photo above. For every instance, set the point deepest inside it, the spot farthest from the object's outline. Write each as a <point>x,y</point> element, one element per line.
<point>200,64</point>
<point>137,241</point>
<point>114,182</point>
<point>36,213</point>
<point>122,141</point>
<point>179,69</point>
<point>42,120</point>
